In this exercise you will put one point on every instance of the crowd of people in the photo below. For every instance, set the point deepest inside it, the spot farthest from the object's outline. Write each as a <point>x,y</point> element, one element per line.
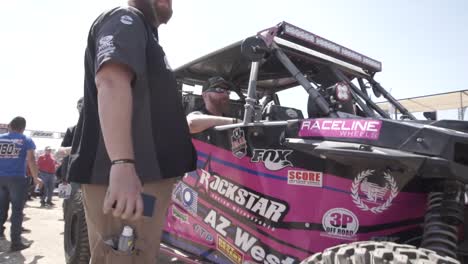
<point>23,175</point>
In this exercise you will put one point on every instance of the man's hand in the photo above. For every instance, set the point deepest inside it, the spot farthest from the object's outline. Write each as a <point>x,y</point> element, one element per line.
<point>37,181</point>
<point>64,151</point>
<point>125,192</point>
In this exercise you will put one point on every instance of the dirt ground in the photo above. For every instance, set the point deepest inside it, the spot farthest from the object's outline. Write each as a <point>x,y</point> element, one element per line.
<point>46,225</point>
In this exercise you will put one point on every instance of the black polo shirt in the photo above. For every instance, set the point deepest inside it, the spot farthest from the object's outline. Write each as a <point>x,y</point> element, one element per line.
<point>68,138</point>
<point>160,134</point>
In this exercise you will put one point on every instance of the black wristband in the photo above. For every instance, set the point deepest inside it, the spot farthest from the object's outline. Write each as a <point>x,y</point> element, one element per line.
<point>122,161</point>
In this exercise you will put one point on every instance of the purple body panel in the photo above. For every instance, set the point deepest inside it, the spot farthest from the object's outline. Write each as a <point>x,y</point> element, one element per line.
<point>247,212</point>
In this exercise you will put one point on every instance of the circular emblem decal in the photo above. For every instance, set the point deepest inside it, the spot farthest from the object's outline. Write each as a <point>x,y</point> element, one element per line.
<point>188,197</point>
<point>340,222</point>
<point>378,198</point>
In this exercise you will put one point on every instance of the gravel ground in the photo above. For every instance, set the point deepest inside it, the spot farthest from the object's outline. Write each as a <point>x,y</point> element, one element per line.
<point>46,225</point>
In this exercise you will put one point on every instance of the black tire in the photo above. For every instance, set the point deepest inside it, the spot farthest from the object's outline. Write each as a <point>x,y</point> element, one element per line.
<point>75,236</point>
<point>376,253</point>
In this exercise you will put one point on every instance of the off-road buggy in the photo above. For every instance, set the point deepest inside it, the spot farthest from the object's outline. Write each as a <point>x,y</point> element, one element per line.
<point>342,183</point>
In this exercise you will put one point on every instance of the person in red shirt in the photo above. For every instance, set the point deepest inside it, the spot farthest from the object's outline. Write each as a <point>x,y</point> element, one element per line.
<point>46,164</point>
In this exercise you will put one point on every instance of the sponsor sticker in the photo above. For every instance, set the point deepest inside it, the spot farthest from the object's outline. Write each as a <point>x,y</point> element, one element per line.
<point>340,223</point>
<point>248,203</point>
<point>244,242</point>
<point>260,252</point>
<point>273,159</point>
<point>186,197</point>
<point>179,215</point>
<point>230,251</point>
<point>379,194</point>
<point>238,143</point>
<point>127,20</point>
<point>199,230</point>
<point>341,128</point>
<point>305,178</point>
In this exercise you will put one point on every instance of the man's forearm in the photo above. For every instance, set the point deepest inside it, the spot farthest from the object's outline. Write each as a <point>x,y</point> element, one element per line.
<point>33,168</point>
<point>115,114</point>
<point>198,123</point>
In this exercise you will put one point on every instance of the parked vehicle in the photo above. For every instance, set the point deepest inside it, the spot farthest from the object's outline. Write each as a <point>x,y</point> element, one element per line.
<point>342,183</point>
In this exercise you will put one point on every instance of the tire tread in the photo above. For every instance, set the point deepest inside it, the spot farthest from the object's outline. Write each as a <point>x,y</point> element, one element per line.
<point>377,253</point>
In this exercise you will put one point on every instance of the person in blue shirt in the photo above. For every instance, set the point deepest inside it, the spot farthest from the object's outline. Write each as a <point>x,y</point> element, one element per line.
<point>16,150</point>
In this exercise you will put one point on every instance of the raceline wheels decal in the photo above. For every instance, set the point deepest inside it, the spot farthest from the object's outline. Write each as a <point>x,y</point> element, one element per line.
<point>373,191</point>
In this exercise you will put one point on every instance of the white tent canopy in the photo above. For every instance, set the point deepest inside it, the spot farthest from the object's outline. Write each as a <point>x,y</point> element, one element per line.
<point>434,102</point>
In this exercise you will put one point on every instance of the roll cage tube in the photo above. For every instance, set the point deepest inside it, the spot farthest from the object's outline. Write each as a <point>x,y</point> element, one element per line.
<point>251,93</point>
<point>364,90</point>
<point>322,104</point>
<point>390,98</point>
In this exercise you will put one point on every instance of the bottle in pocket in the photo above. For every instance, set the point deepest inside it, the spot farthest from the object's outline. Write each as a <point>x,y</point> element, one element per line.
<point>126,240</point>
<point>64,190</point>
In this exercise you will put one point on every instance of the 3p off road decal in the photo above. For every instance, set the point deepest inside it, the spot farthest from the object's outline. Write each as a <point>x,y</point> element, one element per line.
<point>341,128</point>
<point>273,159</point>
<point>340,223</point>
<point>238,143</point>
<point>378,198</point>
<point>203,233</point>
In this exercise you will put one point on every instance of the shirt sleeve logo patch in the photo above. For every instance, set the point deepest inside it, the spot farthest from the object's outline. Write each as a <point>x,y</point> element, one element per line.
<point>106,40</point>
<point>106,46</point>
<point>127,20</point>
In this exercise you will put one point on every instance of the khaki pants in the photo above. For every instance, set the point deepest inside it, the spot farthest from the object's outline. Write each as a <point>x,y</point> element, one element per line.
<point>147,230</point>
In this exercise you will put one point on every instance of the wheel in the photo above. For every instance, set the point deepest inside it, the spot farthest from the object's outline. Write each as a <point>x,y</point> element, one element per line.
<point>377,253</point>
<point>75,237</point>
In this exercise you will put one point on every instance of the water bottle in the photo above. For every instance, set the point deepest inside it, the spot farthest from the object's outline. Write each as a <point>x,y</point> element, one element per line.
<point>64,190</point>
<point>126,240</point>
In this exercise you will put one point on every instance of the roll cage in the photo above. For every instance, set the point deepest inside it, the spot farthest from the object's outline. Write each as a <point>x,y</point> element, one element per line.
<point>285,56</point>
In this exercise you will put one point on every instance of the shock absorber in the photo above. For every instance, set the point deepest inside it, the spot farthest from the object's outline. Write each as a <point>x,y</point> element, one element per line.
<point>443,216</point>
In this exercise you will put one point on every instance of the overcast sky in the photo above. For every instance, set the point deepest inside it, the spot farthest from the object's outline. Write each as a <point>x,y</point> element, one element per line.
<point>422,44</point>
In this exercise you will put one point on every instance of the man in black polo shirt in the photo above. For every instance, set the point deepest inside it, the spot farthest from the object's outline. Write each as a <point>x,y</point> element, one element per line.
<point>215,93</point>
<point>134,136</point>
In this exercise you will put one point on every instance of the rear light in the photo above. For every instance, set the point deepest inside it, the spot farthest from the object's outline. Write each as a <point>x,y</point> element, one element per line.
<point>342,91</point>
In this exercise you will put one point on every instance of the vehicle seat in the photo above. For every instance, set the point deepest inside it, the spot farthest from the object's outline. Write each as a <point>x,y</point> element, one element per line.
<point>280,113</point>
